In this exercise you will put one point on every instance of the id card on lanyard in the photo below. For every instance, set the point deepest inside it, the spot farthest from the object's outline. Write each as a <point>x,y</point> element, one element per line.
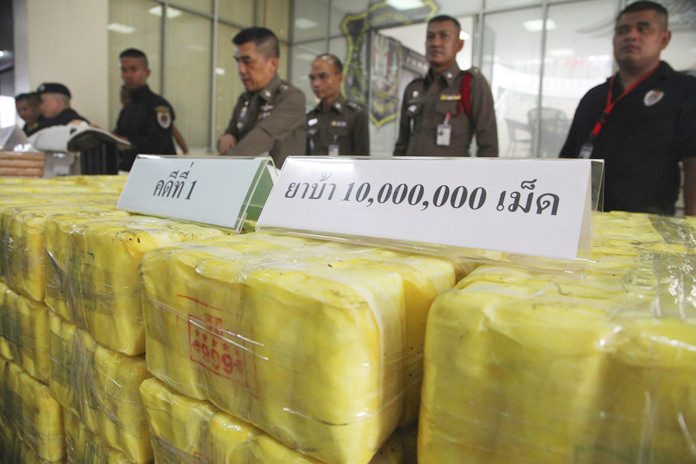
<point>587,147</point>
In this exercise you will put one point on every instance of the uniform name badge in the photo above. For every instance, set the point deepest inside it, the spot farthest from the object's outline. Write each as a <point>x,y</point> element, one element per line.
<point>444,133</point>
<point>586,150</point>
<point>333,149</point>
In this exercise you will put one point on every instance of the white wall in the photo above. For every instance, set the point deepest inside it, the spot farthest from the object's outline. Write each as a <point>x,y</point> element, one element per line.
<point>65,41</point>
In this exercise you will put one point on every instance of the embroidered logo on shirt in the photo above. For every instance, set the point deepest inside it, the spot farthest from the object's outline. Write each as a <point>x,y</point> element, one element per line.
<point>652,97</point>
<point>164,117</point>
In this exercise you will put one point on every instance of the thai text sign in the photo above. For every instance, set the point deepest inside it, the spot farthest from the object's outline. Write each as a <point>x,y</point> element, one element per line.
<point>533,207</point>
<point>208,190</point>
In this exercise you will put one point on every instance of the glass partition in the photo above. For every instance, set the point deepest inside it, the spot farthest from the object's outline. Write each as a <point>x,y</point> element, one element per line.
<point>187,83</point>
<point>578,56</point>
<point>512,65</point>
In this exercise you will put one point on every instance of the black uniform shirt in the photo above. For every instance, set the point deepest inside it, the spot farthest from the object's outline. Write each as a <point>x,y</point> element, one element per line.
<point>343,124</point>
<point>646,135</point>
<point>66,116</point>
<point>146,121</point>
<point>31,128</point>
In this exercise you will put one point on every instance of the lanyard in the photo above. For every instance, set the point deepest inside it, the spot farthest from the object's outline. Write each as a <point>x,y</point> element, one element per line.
<point>609,106</point>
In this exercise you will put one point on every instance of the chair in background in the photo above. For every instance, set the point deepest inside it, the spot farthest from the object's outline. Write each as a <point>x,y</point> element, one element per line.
<point>554,130</point>
<point>519,133</point>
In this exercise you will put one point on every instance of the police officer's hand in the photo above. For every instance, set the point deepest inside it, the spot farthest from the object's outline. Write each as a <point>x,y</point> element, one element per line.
<point>226,143</point>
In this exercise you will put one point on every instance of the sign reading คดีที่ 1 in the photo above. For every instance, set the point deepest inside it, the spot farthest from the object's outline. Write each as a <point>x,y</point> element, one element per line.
<point>217,191</point>
<point>531,207</point>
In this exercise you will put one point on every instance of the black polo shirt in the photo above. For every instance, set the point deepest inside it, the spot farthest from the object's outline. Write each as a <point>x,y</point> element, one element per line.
<point>146,121</point>
<point>643,140</point>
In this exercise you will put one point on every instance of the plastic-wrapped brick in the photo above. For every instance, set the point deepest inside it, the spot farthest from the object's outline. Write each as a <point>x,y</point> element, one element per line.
<point>24,333</point>
<point>30,414</point>
<point>101,278</point>
<point>85,447</point>
<point>248,325</point>
<point>188,431</point>
<point>100,386</point>
<point>532,367</point>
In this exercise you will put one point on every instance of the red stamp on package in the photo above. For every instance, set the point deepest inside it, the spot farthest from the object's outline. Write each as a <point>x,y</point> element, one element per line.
<point>211,348</point>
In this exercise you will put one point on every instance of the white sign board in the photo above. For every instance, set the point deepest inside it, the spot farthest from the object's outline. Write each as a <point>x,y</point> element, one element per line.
<point>207,190</point>
<point>532,207</point>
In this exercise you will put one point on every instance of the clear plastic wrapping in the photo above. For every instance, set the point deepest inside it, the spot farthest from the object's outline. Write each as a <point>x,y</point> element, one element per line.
<point>23,239</point>
<point>29,414</point>
<point>85,447</point>
<point>94,279</point>
<point>13,450</point>
<point>100,386</point>
<point>188,431</point>
<point>319,345</point>
<point>535,367</point>
<point>24,331</point>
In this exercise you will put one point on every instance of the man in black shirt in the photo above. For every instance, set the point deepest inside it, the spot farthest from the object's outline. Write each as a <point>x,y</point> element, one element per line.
<point>642,121</point>
<point>147,119</point>
<point>55,106</point>
<point>27,105</point>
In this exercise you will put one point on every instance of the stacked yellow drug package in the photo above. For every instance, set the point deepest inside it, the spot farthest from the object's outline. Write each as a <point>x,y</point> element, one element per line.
<point>14,450</point>
<point>24,332</point>
<point>85,447</point>
<point>59,186</point>
<point>315,345</point>
<point>10,198</point>
<point>57,232</point>
<point>100,386</point>
<point>29,417</point>
<point>23,240</point>
<point>102,278</point>
<point>531,367</point>
<point>104,183</point>
<point>187,431</point>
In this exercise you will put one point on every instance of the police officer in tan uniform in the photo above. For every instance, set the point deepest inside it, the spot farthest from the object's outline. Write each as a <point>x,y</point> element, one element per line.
<point>335,126</point>
<point>442,111</point>
<point>270,115</point>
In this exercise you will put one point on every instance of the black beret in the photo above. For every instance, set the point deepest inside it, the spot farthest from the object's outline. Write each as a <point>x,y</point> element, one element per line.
<point>53,87</point>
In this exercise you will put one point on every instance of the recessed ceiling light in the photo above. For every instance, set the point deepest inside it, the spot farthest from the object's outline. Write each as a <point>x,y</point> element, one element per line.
<point>304,23</point>
<point>171,12</point>
<point>120,28</point>
<point>535,25</point>
<point>405,4</point>
<point>561,52</point>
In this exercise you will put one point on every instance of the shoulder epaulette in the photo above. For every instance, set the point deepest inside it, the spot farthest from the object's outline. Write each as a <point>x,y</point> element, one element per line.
<point>354,105</point>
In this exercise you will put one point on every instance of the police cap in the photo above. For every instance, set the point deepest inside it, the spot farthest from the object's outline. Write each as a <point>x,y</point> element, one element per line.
<point>53,87</point>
